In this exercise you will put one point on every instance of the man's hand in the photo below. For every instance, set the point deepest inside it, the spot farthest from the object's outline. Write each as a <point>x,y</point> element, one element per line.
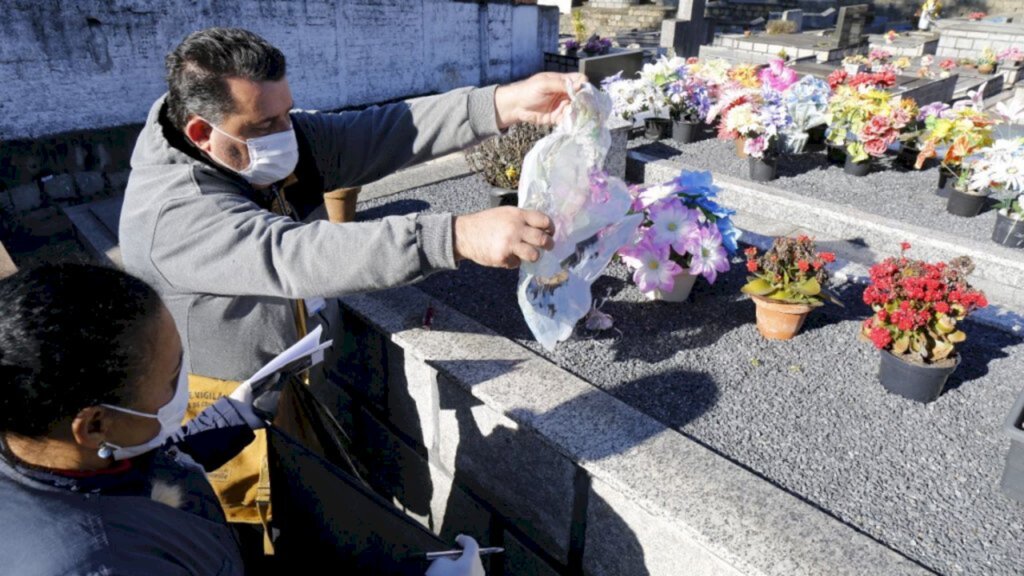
<point>502,237</point>
<point>539,99</point>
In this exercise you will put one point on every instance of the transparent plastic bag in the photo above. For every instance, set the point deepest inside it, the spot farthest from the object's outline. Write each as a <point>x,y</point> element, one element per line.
<point>563,177</point>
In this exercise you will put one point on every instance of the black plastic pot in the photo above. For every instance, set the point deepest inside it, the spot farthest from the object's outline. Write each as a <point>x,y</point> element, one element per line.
<point>1013,469</point>
<point>915,381</point>
<point>907,157</point>
<point>836,154</point>
<point>966,205</point>
<point>1008,232</point>
<point>685,132</point>
<point>657,128</point>
<point>857,168</point>
<point>816,135</point>
<point>503,197</point>
<point>763,169</point>
<point>946,185</point>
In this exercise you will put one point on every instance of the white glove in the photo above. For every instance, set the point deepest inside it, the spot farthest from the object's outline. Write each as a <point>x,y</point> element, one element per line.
<point>468,564</point>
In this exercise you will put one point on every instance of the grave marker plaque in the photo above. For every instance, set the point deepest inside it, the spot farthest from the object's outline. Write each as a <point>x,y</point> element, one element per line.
<point>851,25</point>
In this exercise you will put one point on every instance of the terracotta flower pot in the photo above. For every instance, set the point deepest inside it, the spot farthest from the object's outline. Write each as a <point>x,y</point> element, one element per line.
<point>986,68</point>
<point>778,320</point>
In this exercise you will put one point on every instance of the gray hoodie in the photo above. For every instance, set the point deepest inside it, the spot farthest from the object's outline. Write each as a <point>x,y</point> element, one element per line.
<point>229,269</point>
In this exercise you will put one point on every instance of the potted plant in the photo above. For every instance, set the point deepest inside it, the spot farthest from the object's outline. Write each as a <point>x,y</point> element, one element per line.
<point>570,47</point>
<point>1011,64</point>
<point>1012,481</point>
<point>1001,168</point>
<point>656,78</point>
<point>886,118</point>
<point>685,234</point>
<point>806,104</point>
<point>688,103</point>
<point>964,132</point>
<point>855,63</point>
<point>595,45</point>
<point>499,160</point>
<point>741,87</point>
<point>846,112</point>
<point>786,283</point>
<point>1009,228</point>
<point>975,16</point>
<point>987,62</point>
<point>917,309</point>
<point>758,123</point>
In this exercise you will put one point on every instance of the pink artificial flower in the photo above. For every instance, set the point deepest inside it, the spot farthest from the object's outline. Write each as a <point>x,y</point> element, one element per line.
<point>876,147</point>
<point>777,75</point>
<point>947,64</point>
<point>674,224</point>
<point>653,269</point>
<point>709,256</point>
<point>756,146</point>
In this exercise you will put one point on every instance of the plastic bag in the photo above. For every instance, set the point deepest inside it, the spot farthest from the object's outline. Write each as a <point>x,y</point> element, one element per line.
<point>563,177</point>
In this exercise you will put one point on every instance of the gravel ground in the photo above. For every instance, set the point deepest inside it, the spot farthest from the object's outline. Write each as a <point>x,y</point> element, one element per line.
<point>890,190</point>
<point>809,414</point>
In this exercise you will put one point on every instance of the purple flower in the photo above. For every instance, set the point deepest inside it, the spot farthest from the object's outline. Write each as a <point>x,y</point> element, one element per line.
<point>709,256</point>
<point>653,269</point>
<point>936,109</point>
<point>674,225</point>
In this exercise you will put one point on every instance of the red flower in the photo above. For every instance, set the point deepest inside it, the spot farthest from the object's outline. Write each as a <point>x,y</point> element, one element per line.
<point>751,265</point>
<point>750,252</point>
<point>904,246</point>
<point>836,78</point>
<point>828,257</point>
<point>876,147</point>
<point>947,64</point>
<point>880,337</point>
<point>803,265</point>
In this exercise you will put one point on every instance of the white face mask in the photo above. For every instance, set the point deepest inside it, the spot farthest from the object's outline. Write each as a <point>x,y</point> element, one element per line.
<point>271,158</point>
<point>170,417</point>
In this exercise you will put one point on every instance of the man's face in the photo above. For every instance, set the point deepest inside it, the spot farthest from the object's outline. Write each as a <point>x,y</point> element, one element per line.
<point>261,108</point>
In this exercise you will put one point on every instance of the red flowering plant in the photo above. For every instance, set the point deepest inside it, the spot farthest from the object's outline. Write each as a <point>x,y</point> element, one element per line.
<point>918,305</point>
<point>792,272</point>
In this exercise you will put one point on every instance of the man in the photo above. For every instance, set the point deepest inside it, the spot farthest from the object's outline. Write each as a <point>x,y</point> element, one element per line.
<point>225,171</point>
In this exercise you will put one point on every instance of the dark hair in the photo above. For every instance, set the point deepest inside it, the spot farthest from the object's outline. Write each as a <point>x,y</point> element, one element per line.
<point>198,67</point>
<point>71,336</point>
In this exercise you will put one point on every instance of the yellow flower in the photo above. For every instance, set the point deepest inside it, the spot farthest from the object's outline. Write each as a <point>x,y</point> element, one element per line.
<point>512,174</point>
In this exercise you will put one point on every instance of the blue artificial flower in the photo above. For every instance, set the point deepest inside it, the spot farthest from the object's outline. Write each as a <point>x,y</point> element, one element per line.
<point>730,234</point>
<point>696,184</point>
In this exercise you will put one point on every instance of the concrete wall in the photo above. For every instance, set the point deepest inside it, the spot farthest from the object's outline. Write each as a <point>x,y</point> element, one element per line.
<point>86,64</point>
<point>962,39</point>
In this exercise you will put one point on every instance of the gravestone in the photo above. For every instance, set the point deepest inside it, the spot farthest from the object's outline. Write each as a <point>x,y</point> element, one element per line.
<point>688,31</point>
<point>796,17</point>
<point>851,25</point>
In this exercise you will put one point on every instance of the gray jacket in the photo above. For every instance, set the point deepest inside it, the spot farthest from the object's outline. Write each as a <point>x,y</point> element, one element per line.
<point>229,268</point>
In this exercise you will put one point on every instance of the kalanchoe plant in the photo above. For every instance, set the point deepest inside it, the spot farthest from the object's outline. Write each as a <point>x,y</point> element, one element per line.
<point>918,306</point>
<point>792,272</point>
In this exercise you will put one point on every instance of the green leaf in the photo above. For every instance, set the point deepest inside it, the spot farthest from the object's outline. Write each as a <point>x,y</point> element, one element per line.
<point>957,337</point>
<point>900,345</point>
<point>758,287</point>
<point>808,287</point>
<point>944,324</point>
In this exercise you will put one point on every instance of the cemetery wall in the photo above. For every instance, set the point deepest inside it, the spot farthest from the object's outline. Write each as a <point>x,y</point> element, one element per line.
<point>969,39</point>
<point>77,79</point>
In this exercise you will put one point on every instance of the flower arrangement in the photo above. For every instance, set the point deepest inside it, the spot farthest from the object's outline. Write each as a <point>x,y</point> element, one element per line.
<point>975,16</point>
<point>987,62</point>
<point>688,97</point>
<point>684,230</point>
<point>1000,168</point>
<point>596,45</point>
<point>759,121</point>
<point>891,36</point>
<point>571,46</point>
<point>880,79</point>
<point>777,75</point>
<point>917,306</point>
<point>1012,208</point>
<point>745,76</point>
<point>963,132</point>
<point>882,129</point>
<point>1011,56</point>
<point>792,271</point>
<point>879,56</point>
<point>806,103</point>
<point>630,98</point>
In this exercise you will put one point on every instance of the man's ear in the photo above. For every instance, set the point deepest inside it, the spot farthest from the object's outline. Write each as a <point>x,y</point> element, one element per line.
<point>90,427</point>
<point>198,131</point>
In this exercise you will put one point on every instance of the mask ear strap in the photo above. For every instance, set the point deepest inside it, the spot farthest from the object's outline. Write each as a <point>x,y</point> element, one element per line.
<point>132,412</point>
